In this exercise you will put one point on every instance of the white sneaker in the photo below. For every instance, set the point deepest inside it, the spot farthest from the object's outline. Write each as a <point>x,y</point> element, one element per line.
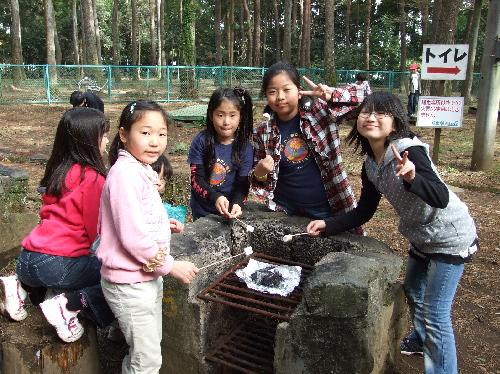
<point>12,296</point>
<point>68,328</point>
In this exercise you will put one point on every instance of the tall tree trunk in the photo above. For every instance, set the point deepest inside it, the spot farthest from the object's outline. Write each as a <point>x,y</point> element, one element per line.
<point>466,90</point>
<point>162,32</point>
<point>74,24</point>
<point>115,31</point>
<point>444,21</point>
<point>188,32</point>
<point>424,11</point>
<point>468,24</point>
<point>329,46</point>
<point>230,32</point>
<point>83,46</point>
<point>17,50</point>
<point>56,41</point>
<point>256,33</point>
<point>367,33</point>
<point>90,36</point>
<point>248,25</point>
<point>287,32</point>
<point>348,25</point>
<point>50,43</point>
<point>135,51</point>
<point>402,35</point>
<point>357,35</point>
<point>152,32</point>
<point>218,42</point>
<point>276,14</point>
<point>97,32</point>
<point>159,36</point>
<point>305,49</point>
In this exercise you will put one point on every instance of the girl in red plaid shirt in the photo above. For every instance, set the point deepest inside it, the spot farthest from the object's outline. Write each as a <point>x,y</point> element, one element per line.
<point>297,160</point>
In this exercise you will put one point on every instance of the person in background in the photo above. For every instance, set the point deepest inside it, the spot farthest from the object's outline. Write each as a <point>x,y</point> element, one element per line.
<point>135,235</point>
<point>414,90</point>
<point>221,155</point>
<point>163,168</point>
<point>86,99</point>
<point>362,87</point>
<point>56,255</point>
<point>441,232</point>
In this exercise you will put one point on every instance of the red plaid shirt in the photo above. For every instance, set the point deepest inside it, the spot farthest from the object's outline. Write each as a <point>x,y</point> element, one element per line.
<point>321,134</point>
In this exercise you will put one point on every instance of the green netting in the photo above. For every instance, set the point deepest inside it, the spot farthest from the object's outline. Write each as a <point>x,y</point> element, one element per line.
<point>55,83</point>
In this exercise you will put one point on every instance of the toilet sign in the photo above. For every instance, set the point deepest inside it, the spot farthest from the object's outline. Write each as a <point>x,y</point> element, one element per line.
<point>444,61</point>
<point>440,112</point>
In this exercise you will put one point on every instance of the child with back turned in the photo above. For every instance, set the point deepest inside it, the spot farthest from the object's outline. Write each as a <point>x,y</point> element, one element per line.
<point>135,235</point>
<point>56,254</point>
<point>297,161</point>
<point>441,232</point>
<point>221,155</point>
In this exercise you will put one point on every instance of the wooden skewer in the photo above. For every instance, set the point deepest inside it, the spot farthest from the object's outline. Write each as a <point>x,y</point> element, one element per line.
<point>247,252</point>
<point>249,228</point>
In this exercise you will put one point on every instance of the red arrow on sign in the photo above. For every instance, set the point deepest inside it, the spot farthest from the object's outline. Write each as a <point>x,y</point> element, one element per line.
<point>454,70</point>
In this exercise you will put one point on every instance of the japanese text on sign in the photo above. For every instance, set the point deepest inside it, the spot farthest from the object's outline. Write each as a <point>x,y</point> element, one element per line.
<point>444,61</point>
<point>435,111</point>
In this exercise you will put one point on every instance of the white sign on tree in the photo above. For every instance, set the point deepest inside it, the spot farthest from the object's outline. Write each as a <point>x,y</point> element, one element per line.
<point>444,61</point>
<point>436,111</point>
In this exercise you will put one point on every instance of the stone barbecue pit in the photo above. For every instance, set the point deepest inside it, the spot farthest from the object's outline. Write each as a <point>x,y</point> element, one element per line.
<point>346,315</point>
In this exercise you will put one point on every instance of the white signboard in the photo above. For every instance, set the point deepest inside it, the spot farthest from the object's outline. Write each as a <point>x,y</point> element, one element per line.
<point>444,61</point>
<point>435,111</point>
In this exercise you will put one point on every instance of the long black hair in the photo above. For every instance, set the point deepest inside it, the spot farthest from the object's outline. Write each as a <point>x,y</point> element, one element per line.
<point>380,102</point>
<point>77,141</point>
<point>243,102</point>
<point>132,113</point>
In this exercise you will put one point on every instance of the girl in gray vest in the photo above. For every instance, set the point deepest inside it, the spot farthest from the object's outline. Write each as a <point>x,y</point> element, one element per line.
<point>438,225</point>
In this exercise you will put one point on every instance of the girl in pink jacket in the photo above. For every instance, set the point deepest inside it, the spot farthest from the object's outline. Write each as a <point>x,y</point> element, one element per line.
<point>135,235</point>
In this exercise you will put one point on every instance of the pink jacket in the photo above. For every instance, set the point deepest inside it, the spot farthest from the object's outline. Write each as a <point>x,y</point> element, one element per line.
<point>134,225</point>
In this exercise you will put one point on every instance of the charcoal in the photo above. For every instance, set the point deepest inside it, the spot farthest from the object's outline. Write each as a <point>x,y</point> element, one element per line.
<point>267,277</point>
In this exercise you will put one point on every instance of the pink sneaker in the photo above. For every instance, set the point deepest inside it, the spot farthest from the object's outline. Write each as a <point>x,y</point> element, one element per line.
<point>68,328</point>
<point>12,297</point>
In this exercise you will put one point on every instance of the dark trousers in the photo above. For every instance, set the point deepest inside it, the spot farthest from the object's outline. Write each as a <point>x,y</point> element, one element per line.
<point>413,102</point>
<point>38,272</point>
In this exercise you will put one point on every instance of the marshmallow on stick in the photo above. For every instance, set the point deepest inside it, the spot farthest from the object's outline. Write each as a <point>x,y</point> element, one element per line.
<point>289,237</point>
<point>249,228</point>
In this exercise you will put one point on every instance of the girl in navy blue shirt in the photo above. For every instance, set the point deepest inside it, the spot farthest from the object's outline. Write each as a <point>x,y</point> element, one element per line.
<point>221,156</point>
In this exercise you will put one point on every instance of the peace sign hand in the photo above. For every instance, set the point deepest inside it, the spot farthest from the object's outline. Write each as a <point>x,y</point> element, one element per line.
<point>404,168</point>
<point>318,90</point>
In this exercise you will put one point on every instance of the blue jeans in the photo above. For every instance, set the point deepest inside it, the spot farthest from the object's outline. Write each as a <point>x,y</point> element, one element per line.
<point>68,274</point>
<point>320,212</point>
<point>430,287</point>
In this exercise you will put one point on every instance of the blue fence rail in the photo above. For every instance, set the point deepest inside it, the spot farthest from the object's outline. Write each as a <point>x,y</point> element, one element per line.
<point>55,83</point>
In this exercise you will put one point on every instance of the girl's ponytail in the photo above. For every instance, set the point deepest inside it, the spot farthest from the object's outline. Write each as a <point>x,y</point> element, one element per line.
<point>116,144</point>
<point>246,121</point>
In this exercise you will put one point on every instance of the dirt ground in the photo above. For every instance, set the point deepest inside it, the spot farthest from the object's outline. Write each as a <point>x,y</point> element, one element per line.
<point>27,132</point>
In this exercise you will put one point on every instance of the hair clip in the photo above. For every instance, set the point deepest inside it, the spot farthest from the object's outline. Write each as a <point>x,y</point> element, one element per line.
<point>240,91</point>
<point>132,107</point>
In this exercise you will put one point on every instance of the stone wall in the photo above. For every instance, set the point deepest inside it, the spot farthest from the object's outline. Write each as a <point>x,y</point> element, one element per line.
<point>15,221</point>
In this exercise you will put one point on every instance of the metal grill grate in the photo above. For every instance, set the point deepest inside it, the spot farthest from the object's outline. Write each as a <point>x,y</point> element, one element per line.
<point>231,291</point>
<point>249,348</point>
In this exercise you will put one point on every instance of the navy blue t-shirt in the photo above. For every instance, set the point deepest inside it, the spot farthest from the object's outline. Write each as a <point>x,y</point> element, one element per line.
<point>299,179</point>
<point>222,173</point>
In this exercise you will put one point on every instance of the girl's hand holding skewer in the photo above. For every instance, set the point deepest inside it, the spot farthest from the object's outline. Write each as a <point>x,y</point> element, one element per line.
<point>222,206</point>
<point>318,90</point>
<point>316,227</point>
<point>404,167</point>
<point>175,226</point>
<point>185,271</point>
<point>235,211</point>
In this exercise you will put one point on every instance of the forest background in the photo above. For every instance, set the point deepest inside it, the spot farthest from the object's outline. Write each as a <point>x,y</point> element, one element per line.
<point>333,34</point>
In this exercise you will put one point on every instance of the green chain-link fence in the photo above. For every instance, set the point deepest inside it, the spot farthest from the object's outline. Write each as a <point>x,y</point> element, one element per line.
<point>55,83</point>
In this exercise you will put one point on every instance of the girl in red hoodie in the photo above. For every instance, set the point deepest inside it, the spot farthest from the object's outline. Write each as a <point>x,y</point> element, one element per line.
<point>57,253</point>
